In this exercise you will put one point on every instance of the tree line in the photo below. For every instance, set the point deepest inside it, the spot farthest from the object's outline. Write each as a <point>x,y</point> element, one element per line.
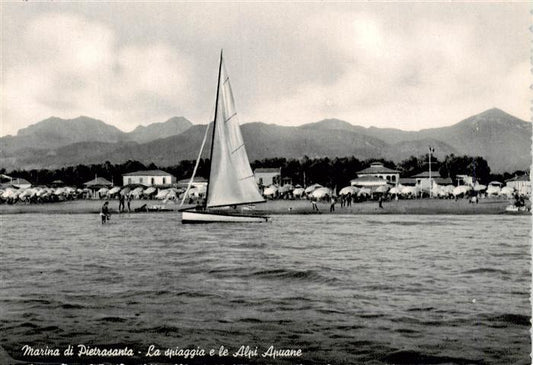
<point>304,171</point>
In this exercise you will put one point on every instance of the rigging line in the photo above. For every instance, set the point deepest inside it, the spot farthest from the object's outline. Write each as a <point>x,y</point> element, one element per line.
<point>238,148</point>
<point>227,120</point>
<point>195,166</point>
<point>247,177</point>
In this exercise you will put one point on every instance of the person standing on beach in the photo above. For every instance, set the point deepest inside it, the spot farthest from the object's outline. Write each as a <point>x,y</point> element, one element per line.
<point>380,202</point>
<point>129,201</point>
<point>332,205</point>
<point>104,212</point>
<point>313,203</point>
<point>120,203</point>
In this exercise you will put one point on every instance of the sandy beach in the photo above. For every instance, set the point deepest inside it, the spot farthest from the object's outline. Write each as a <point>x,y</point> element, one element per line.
<point>416,206</point>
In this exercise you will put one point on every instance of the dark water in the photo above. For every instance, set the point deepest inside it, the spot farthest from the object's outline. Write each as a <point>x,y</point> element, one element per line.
<point>344,289</point>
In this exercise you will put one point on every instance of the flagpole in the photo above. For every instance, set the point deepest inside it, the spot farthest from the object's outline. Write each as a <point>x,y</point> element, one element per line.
<point>431,149</point>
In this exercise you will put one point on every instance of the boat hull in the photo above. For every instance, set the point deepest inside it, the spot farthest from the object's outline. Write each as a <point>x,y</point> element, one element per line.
<point>209,217</point>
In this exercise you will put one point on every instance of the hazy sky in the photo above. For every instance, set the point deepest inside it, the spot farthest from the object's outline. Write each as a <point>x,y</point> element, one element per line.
<point>402,65</point>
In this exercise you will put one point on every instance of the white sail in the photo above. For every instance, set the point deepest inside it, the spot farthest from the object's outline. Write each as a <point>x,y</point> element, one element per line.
<point>231,180</point>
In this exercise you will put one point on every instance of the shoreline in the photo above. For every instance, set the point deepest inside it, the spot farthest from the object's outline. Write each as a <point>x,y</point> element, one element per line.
<point>284,207</point>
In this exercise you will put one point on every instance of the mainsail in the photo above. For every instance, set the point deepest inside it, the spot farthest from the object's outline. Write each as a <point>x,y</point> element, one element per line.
<point>231,180</point>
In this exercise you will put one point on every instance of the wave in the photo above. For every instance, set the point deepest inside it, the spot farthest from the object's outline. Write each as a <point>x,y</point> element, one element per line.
<point>483,270</point>
<point>505,319</point>
<point>304,275</point>
<point>420,309</point>
<point>275,274</point>
<point>112,319</point>
<point>417,357</point>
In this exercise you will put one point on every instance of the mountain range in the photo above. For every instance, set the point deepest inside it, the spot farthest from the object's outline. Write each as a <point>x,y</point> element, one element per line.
<point>502,139</point>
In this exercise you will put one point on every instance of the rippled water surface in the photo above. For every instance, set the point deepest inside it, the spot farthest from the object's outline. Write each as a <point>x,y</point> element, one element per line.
<point>344,289</point>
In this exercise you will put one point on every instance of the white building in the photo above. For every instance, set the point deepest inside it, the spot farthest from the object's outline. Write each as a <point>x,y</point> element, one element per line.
<point>267,176</point>
<point>423,181</point>
<point>198,182</point>
<point>521,184</point>
<point>465,180</point>
<point>149,178</point>
<point>377,169</point>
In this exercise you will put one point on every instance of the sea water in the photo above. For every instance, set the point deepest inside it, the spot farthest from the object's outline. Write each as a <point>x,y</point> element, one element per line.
<point>341,289</point>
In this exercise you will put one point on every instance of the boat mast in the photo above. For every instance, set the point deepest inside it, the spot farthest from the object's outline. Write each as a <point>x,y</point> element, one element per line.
<point>214,126</point>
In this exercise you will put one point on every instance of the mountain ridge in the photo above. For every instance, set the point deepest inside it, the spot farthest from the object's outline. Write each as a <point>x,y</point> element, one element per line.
<point>502,139</point>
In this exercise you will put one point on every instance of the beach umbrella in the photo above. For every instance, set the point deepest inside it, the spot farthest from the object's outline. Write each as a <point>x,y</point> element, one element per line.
<point>114,190</point>
<point>162,194</point>
<point>69,190</point>
<point>102,191</point>
<point>125,191</point>
<point>382,189</point>
<point>149,191</point>
<point>193,192</point>
<point>298,192</point>
<point>409,190</point>
<point>479,187</point>
<point>171,194</point>
<point>459,190</point>
<point>493,190</point>
<point>26,193</point>
<point>41,192</point>
<point>9,193</point>
<point>348,190</point>
<point>286,188</point>
<point>507,191</point>
<point>394,190</point>
<point>363,192</point>
<point>321,193</point>
<point>136,193</point>
<point>270,191</point>
<point>312,188</point>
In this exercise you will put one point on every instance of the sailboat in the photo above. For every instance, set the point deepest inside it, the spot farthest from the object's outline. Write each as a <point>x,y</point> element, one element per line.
<point>231,181</point>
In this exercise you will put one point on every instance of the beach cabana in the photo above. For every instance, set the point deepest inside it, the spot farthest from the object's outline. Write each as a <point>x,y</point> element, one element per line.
<point>96,184</point>
<point>363,192</point>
